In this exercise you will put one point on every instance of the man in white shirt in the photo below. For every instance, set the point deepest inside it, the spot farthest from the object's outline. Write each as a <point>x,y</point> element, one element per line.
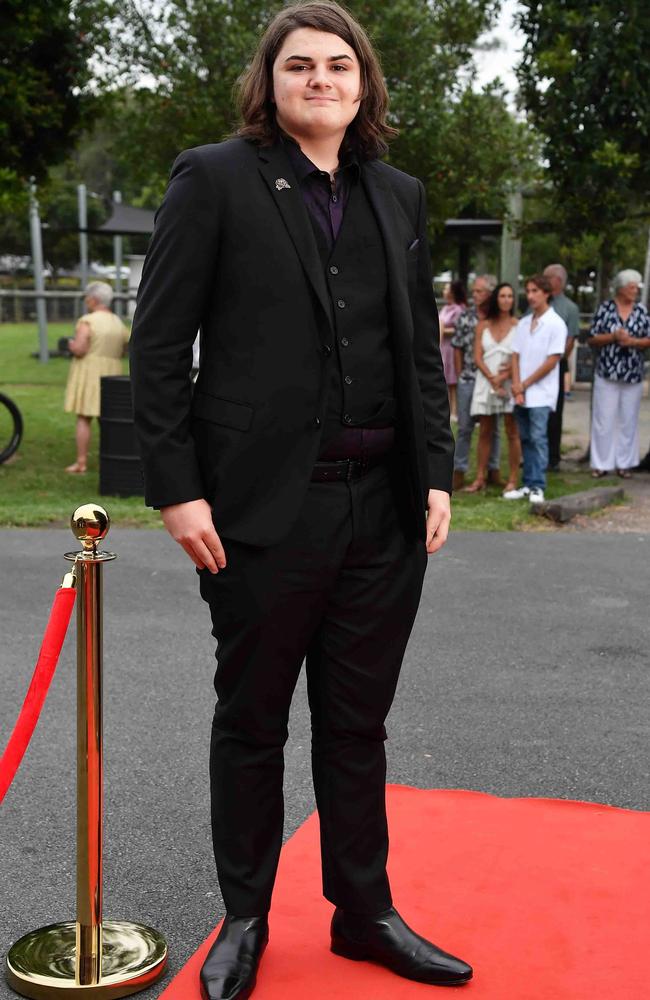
<point>538,345</point>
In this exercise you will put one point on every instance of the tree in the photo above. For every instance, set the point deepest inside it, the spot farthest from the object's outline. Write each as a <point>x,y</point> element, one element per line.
<point>583,78</point>
<point>174,65</point>
<point>44,65</point>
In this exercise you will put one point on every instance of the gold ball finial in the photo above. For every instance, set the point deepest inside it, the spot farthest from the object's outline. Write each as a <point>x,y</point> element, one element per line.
<point>90,524</point>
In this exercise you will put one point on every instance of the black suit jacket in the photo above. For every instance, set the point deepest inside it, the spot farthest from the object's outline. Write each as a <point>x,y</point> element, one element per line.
<point>233,253</point>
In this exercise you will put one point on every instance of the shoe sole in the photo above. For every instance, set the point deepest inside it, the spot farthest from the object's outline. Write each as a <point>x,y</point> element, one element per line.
<point>247,992</point>
<point>240,996</point>
<point>346,950</point>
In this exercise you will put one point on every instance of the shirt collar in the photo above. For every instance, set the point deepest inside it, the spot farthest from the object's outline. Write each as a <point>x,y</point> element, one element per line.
<point>542,319</point>
<point>303,166</point>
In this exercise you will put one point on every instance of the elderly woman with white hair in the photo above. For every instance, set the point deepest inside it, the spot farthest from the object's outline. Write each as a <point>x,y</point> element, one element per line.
<point>98,346</point>
<point>621,331</point>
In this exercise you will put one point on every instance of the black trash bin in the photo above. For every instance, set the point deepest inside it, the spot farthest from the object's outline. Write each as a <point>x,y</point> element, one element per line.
<point>120,468</point>
<point>585,357</point>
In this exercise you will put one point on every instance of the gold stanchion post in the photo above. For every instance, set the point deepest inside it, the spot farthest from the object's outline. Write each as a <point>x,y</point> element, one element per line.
<point>90,956</point>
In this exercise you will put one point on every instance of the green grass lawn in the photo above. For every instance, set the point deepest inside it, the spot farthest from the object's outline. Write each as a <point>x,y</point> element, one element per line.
<point>34,489</point>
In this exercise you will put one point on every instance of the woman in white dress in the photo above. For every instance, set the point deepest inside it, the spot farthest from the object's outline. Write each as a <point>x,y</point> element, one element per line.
<point>492,396</point>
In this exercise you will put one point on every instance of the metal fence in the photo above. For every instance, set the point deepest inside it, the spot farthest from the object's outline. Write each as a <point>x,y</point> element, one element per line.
<point>19,305</point>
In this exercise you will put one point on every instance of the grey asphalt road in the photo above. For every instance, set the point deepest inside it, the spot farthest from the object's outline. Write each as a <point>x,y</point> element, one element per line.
<point>527,675</point>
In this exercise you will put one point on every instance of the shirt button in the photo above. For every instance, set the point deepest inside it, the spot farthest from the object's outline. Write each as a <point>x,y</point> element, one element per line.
<point>327,349</point>
<point>341,303</point>
<point>334,198</point>
<point>317,421</point>
<point>347,418</point>
<point>334,269</point>
<point>345,341</point>
<point>348,380</point>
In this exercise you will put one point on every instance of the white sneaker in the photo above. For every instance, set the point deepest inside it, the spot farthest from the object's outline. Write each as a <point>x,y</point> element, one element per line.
<point>519,494</point>
<point>537,496</point>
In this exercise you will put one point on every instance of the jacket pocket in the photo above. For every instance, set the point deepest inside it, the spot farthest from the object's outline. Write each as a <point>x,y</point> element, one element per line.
<point>225,412</point>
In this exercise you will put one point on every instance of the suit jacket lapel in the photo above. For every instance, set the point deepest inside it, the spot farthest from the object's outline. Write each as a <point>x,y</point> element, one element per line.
<point>386,210</point>
<point>275,167</point>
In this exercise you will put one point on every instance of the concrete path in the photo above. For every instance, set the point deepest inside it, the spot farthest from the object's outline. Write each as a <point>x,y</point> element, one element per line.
<point>527,675</point>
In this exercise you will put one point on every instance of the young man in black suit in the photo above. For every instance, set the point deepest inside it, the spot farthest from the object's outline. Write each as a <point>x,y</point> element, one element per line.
<point>308,474</point>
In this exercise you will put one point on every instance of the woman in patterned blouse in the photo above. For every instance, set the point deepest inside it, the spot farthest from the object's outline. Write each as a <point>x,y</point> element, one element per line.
<point>621,330</point>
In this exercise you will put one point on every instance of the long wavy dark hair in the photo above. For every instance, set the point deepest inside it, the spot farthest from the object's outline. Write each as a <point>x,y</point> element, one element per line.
<point>458,292</point>
<point>493,311</point>
<point>369,133</point>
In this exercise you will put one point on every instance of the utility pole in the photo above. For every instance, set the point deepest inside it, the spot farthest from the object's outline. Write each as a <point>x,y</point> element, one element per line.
<point>511,242</point>
<point>117,257</point>
<point>646,274</point>
<point>83,235</point>
<point>37,263</point>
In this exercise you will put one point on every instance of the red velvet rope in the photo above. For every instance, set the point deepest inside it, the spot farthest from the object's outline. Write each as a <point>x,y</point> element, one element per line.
<point>48,658</point>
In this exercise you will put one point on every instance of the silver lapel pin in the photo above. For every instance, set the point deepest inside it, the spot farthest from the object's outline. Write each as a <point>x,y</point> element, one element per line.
<point>281,184</point>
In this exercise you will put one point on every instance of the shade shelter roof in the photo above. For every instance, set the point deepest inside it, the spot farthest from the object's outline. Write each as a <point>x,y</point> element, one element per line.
<point>473,229</point>
<point>127,221</point>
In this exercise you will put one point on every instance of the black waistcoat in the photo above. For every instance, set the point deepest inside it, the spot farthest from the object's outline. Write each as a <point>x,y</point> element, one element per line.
<point>361,383</point>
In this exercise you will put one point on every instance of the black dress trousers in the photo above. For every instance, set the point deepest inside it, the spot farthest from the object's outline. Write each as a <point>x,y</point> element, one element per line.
<point>341,590</point>
<point>554,430</point>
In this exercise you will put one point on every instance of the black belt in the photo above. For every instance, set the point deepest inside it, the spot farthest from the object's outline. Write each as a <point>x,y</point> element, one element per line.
<point>346,469</point>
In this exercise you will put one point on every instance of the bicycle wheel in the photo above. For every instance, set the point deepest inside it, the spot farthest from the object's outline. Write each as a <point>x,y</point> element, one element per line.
<point>11,427</point>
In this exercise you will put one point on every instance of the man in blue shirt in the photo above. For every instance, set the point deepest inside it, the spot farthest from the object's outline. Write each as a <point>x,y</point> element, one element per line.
<point>568,311</point>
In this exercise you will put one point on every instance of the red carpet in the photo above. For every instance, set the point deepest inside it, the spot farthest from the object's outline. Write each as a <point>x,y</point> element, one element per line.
<point>547,899</point>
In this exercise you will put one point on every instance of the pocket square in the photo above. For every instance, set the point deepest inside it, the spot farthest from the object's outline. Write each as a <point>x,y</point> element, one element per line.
<point>414,244</point>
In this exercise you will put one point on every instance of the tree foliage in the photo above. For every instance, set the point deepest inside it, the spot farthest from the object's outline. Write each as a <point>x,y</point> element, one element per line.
<point>173,66</point>
<point>44,65</point>
<point>583,78</point>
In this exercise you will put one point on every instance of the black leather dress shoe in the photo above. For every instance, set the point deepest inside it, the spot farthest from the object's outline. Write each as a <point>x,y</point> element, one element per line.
<point>230,970</point>
<point>386,939</point>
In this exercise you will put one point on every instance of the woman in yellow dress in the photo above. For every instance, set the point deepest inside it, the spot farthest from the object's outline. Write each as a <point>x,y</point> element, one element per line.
<point>98,347</point>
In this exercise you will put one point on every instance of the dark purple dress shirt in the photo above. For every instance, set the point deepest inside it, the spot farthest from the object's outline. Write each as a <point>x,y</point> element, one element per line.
<point>325,203</point>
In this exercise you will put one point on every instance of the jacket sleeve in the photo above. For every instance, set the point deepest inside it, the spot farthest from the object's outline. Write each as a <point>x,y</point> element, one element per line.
<point>176,282</point>
<point>428,364</point>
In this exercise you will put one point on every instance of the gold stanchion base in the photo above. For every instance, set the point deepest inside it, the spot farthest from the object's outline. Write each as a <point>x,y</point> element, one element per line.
<point>42,963</point>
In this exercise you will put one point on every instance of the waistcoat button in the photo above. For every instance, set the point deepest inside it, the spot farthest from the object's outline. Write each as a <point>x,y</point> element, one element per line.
<point>348,380</point>
<point>334,269</point>
<point>345,341</point>
<point>341,303</point>
<point>347,418</point>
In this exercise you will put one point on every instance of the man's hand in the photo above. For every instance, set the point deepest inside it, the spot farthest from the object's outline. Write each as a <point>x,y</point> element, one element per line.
<point>190,524</point>
<point>438,518</point>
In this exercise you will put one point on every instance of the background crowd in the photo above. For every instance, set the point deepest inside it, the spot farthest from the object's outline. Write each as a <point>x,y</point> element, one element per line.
<point>499,367</point>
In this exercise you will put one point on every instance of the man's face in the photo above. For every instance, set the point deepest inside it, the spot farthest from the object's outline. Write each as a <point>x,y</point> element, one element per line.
<point>557,286</point>
<point>316,84</point>
<point>536,297</point>
<point>480,292</point>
